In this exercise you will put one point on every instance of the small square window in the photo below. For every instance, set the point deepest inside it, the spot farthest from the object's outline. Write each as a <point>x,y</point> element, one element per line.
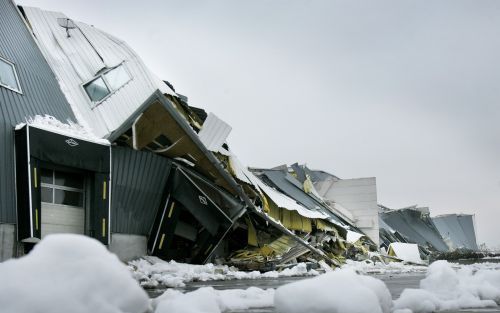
<point>117,77</point>
<point>8,75</point>
<point>96,89</point>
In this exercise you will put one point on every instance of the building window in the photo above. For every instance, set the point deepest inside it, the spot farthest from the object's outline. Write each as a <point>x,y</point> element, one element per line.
<point>62,188</point>
<point>8,75</point>
<point>106,83</point>
<point>97,89</point>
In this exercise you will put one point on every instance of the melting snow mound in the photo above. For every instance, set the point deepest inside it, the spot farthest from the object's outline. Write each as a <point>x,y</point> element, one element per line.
<point>209,300</point>
<point>340,291</point>
<point>69,273</point>
<point>444,288</point>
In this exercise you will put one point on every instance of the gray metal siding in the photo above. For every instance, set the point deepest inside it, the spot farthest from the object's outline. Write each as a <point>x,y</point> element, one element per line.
<point>138,182</point>
<point>41,95</point>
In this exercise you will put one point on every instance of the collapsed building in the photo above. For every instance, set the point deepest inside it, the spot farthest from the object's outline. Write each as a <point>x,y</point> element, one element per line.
<point>94,143</point>
<point>416,225</point>
<point>129,150</point>
<point>433,235</point>
<point>132,164</point>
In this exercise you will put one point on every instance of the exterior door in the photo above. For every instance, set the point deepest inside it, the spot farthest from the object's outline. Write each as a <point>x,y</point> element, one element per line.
<point>63,207</point>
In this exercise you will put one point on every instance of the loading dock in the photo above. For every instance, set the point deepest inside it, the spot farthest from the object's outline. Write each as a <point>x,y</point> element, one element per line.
<point>63,185</point>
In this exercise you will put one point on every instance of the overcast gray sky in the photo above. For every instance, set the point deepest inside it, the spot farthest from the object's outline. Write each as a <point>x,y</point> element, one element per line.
<point>407,91</point>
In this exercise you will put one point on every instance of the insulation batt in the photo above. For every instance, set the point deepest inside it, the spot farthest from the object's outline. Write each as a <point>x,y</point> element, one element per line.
<point>69,273</point>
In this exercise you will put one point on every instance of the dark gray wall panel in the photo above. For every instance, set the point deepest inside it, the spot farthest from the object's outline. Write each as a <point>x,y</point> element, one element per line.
<point>138,184</point>
<point>40,95</point>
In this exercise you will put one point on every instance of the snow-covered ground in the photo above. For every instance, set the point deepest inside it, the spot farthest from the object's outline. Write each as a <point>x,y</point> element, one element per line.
<point>152,272</point>
<point>72,273</point>
<point>369,267</point>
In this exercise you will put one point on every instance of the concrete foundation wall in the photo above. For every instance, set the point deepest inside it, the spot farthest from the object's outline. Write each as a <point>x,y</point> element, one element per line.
<point>7,241</point>
<point>128,247</point>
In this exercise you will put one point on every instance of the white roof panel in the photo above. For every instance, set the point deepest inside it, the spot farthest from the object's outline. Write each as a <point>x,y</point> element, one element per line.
<point>214,132</point>
<point>78,59</point>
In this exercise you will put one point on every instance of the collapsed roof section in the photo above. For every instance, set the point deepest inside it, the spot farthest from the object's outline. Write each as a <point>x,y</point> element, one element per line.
<point>158,126</point>
<point>389,235</point>
<point>290,189</point>
<point>416,226</point>
<point>103,79</point>
<point>458,230</point>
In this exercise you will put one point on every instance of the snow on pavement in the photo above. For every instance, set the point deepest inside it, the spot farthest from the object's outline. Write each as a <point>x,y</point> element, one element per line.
<point>152,272</point>
<point>370,267</point>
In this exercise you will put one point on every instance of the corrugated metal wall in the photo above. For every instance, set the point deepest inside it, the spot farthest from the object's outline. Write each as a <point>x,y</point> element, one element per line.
<point>138,182</point>
<point>41,95</point>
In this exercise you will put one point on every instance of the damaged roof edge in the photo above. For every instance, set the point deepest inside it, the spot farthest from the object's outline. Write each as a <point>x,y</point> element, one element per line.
<point>159,96</point>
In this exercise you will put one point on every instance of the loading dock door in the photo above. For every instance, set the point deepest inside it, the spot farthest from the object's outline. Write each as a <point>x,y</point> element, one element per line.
<point>62,196</point>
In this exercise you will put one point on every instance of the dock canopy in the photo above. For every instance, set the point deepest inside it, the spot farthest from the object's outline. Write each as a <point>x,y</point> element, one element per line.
<point>194,217</point>
<point>39,149</point>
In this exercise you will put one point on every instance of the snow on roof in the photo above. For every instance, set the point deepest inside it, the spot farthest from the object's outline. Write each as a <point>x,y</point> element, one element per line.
<point>406,251</point>
<point>353,236</point>
<point>281,200</point>
<point>70,129</point>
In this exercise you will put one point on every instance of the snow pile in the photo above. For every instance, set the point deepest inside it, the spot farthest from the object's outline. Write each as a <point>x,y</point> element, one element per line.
<point>71,129</point>
<point>209,300</point>
<point>445,288</point>
<point>340,291</point>
<point>69,273</point>
<point>152,272</point>
<point>370,267</point>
